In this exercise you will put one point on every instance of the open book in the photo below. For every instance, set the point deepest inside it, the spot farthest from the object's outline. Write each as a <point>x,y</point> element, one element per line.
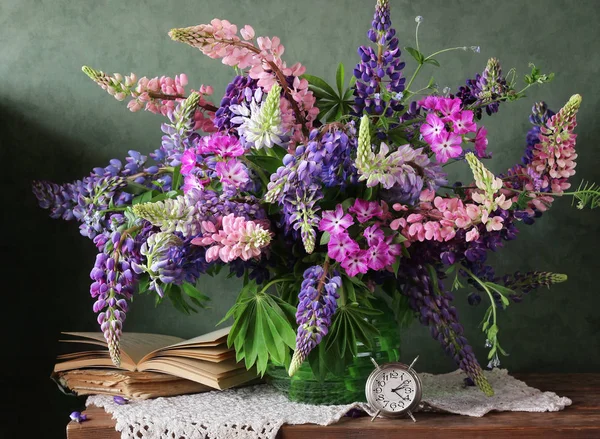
<point>205,359</point>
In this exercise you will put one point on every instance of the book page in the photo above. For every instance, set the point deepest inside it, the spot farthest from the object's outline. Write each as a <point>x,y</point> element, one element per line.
<point>214,338</point>
<point>228,376</point>
<point>134,344</point>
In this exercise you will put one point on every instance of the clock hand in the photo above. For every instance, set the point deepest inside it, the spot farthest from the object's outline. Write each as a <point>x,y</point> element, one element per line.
<point>402,385</point>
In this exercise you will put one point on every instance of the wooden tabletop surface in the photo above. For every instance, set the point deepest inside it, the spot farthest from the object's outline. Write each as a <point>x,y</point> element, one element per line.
<point>580,420</point>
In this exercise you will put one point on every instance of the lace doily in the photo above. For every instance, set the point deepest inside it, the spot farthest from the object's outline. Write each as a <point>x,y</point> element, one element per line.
<point>257,412</point>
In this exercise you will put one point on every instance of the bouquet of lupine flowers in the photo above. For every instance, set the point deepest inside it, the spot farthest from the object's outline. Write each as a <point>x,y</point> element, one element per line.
<point>319,197</point>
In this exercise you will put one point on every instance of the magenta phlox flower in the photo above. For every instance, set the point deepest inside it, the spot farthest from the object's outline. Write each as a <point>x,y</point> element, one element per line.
<point>447,146</point>
<point>232,172</point>
<point>450,108</point>
<point>365,210</point>
<point>462,122</point>
<point>356,263</point>
<point>340,246</point>
<point>222,145</point>
<point>335,221</point>
<point>192,182</point>
<point>481,142</point>
<point>373,234</point>
<point>433,128</point>
<point>188,161</point>
<point>378,256</point>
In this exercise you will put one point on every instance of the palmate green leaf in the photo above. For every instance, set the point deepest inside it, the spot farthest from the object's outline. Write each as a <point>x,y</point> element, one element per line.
<point>349,289</point>
<point>317,83</point>
<point>268,163</point>
<point>194,293</point>
<point>339,78</point>
<point>177,178</point>
<point>146,197</point>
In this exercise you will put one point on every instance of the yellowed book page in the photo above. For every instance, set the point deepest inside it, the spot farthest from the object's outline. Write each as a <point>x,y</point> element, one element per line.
<point>203,367</point>
<point>134,344</point>
<point>94,359</point>
<point>214,338</point>
<point>187,370</point>
<point>197,355</point>
<point>91,362</point>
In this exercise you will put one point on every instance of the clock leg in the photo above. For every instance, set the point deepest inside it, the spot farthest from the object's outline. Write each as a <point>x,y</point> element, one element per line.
<point>376,414</point>
<point>409,413</point>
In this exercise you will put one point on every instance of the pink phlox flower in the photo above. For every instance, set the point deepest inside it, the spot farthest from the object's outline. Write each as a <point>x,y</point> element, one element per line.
<point>188,161</point>
<point>223,145</point>
<point>340,246</point>
<point>365,210</point>
<point>336,221</point>
<point>373,234</point>
<point>433,128</point>
<point>481,142</point>
<point>429,103</point>
<point>378,256</point>
<point>356,263</point>
<point>447,146</point>
<point>191,182</point>
<point>232,172</point>
<point>449,108</point>
<point>463,123</point>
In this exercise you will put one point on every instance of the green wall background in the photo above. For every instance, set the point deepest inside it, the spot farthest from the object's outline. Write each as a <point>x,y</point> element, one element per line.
<point>56,125</point>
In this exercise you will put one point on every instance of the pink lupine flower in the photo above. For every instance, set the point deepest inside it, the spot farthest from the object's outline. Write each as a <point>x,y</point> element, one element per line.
<point>463,122</point>
<point>247,32</point>
<point>236,238</point>
<point>472,235</point>
<point>232,172</point>
<point>373,235</point>
<point>447,146</point>
<point>494,223</point>
<point>335,222</point>
<point>341,245</point>
<point>433,128</point>
<point>355,263</point>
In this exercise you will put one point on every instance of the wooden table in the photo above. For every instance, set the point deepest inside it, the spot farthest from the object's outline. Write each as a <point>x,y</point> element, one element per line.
<point>580,420</point>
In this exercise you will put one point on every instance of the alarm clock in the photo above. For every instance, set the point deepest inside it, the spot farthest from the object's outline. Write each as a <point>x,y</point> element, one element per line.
<point>393,390</point>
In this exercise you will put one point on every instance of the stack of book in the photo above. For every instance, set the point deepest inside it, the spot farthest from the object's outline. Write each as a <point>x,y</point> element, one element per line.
<point>152,365</point>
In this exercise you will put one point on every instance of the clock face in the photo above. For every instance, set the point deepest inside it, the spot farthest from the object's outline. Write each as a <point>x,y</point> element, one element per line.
<point>393,389</point>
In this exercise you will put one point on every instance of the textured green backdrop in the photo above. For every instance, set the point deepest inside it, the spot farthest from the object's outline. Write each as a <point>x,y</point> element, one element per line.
<point>56,125</point>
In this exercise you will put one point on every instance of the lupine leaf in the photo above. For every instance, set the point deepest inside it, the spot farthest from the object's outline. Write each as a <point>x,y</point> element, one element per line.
<point>316,82</point>
<point>339,78</point>
<point>176,178</point>
<point>432,61</point>
<point>268,163</point>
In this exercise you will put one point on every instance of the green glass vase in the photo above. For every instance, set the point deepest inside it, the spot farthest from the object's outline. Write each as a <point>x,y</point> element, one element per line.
<point>349,387</point>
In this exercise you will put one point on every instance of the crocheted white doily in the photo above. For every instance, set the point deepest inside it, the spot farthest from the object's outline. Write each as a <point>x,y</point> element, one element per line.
<point>257,412</point>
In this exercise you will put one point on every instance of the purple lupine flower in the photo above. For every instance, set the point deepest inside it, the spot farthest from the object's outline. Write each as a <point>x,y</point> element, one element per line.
<point>484,90</point>
<point>78,417</point>
<point>374,70</point>
<point>317,304</point>
<point>296,186</point>
<point>524,283</point>
<point>236,92</point>
<point>540,113</point>
<point>434,309</point>
<point>414,171</point>
<point>119,400</point>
